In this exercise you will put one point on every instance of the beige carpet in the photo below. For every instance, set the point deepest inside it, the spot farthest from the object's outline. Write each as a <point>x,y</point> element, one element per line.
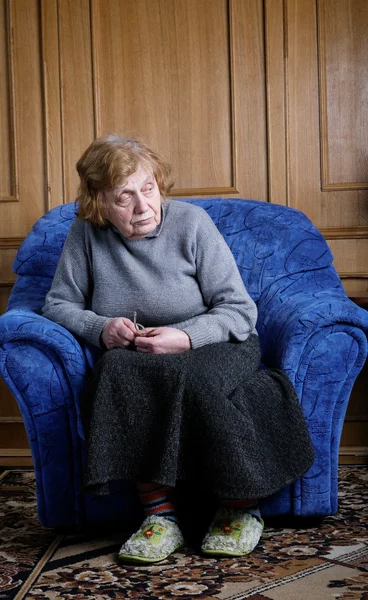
<point>325,562</point>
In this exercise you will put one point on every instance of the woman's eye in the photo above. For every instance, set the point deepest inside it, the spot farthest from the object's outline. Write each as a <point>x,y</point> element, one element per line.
<point>124,198</point>
<point>148,188</point>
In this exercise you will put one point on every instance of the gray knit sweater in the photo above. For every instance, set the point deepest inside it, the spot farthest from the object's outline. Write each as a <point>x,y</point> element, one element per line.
<point>181,275</point>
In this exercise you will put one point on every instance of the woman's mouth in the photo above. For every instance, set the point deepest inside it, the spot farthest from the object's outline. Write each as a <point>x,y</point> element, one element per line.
<point>143,221</point>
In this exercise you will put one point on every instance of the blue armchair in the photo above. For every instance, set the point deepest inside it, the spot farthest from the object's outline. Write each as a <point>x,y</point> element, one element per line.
<point>307,327</point>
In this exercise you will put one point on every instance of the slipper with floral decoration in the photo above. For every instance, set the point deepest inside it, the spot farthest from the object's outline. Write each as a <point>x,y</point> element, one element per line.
<point>154,541</point>
<point>233,533</point>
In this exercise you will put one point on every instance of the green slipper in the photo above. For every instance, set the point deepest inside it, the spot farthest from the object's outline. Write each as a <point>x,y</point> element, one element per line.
<point>154,541</point>
<point>232,533</point>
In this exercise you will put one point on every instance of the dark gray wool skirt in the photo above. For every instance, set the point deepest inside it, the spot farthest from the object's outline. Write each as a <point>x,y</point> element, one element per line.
<point>208,416</point>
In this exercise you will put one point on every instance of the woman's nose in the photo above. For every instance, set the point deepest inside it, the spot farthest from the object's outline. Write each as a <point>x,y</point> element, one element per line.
<point>140,203</point>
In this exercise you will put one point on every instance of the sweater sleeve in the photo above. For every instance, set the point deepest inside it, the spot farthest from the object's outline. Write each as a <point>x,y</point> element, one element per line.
<point>67,301</point>
<point>231,314</point>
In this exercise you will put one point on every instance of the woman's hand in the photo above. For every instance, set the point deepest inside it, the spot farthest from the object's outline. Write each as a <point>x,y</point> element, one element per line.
<point>162,340</point>
<point>117,333</point>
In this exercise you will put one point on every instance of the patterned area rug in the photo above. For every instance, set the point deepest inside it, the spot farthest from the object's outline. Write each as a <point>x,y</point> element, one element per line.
<point>326,562</point>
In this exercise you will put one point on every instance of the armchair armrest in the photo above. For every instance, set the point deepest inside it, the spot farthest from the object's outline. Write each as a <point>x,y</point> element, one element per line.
<point>21,328</point>
<point>288,324</point>
<point>319,340</point>
<point>45,368</point>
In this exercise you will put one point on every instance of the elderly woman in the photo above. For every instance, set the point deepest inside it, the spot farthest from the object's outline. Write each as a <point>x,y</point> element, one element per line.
<point>179,397</point>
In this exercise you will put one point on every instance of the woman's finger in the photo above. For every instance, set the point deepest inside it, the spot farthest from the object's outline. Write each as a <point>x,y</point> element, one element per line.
<point>129,325</point>
<point>144,350</point>
<point>150,332</point>
<point>143,342</point>
<point>125,334</point>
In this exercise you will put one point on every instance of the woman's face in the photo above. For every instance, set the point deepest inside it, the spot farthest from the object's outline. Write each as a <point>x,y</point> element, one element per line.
<point>134,206</point>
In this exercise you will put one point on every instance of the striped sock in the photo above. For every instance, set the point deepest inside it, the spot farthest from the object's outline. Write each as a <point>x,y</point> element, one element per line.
<point>157,502</point>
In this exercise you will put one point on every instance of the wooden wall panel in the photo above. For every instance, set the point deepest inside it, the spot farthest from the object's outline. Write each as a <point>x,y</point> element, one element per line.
<point>343,45</point>
<point>12,435</point>
<point>350,256</point>
<point>302,38</point>
<point>304,113</point>
<point>178,78</point>
<point>77,110</point>
<point>250,127</point>
<point>4,297</point>
<point>9,410</point>
<point>8,182</point>
<point>275,71</point>
<point>352,285</point>
<point>7,256</point>
<point>167,79</point>
<point>17,216</point>
<point>52,102</point>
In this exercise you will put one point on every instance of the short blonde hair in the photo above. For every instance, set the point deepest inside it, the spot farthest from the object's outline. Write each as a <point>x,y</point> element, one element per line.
<point>107,162</point>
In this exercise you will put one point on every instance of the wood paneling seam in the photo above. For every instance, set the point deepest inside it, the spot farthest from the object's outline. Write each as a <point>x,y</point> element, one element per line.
<point>11,243</point>
<point>15,452</point>
<point>322,97</point>
<point>348,185</point>
<point>234,158</point>
<point>344,233</point>
<point>286,99</point>
<point>275,100</point>
<point>52,107</point>
<point>268,109</point>
<point>13,126</point>
<point>95,73</point>
<point>45,113</point>
<point>353,450</point>
<point>348,275</point>
<point>61,103</point>
<point>13,197</point>
<point>202,191</point>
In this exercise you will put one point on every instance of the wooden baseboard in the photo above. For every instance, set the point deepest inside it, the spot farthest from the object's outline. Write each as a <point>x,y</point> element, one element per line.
<point>15,457</point>
<point>353,455</point>
<point>15,461</point>
<point>21,457</point>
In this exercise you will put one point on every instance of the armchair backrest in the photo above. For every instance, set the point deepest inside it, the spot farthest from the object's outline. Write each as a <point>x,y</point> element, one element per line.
<point>270,242</point>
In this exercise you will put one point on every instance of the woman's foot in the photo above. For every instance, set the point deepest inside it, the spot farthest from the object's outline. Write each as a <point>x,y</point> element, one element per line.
<point>155,540</point>
<point>233,532</point>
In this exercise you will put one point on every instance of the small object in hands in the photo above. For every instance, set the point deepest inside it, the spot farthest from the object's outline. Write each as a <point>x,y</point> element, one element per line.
<point>140,328</point>
<point>137,326</point>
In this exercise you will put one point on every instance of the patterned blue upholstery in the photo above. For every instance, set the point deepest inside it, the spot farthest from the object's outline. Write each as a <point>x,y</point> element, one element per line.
<point>307,327</point>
